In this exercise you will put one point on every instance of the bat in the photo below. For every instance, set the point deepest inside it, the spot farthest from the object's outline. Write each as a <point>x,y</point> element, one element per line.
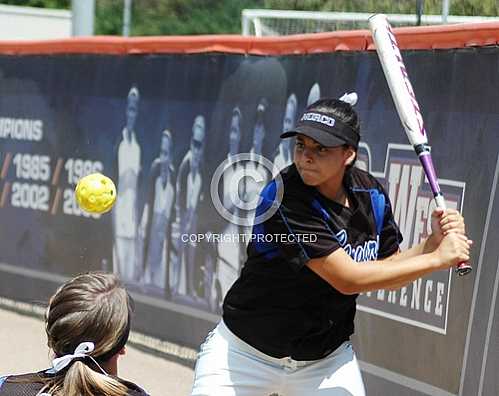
<point>406,104</point>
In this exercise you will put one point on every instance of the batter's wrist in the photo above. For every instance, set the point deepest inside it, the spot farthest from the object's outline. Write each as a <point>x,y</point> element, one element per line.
<point>431,244</point>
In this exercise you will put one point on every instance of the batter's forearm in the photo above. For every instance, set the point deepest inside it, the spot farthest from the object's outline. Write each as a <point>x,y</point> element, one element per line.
<point>428,245</point>
<point>378,275</point>
<point>350,277</point>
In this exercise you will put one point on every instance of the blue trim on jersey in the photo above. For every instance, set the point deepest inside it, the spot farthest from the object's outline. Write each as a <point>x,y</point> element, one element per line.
<point>378,203</point>
<point>268,249</point>
<point>2,380</point>
<point>317,205</point>
<point>267,200</point>
<point>326,217</point>
<point>305,254</point>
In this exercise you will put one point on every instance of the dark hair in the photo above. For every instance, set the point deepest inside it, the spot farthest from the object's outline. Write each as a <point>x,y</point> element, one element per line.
<point>336,108</point>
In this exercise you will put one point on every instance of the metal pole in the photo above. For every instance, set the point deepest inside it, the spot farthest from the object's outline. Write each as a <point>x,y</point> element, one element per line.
<point>127,16</point>
<point>245,23</point>
<point>419,11</point>
<point>445,10</point>
<point>257,24</point>
<point>82,18</point>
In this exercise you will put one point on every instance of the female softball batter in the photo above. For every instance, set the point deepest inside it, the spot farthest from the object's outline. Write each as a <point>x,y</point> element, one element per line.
<point>288,319</point>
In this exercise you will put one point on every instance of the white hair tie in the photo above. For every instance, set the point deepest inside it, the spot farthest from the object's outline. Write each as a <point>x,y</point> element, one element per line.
<point>350,98</point>
<point>81,351</point>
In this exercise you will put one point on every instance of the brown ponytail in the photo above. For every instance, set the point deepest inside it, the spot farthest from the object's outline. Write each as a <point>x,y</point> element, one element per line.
<point>82,380</point>
<point>95,308</point>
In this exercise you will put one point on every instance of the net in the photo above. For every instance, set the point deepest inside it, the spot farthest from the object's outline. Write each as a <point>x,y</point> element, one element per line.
<point>283,22</point>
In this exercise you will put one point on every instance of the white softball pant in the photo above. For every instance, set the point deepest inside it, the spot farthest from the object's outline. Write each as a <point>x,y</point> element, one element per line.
<point>227,366</point>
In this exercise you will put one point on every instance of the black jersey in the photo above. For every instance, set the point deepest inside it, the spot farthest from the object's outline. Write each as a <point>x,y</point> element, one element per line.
<point>279,305</point>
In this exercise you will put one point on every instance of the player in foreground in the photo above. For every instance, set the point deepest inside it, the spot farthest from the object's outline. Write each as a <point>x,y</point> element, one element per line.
<point>87,325</point>
<point>288,319</point>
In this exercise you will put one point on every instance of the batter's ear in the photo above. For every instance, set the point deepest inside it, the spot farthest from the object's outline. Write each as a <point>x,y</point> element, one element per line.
<point>350,155</point>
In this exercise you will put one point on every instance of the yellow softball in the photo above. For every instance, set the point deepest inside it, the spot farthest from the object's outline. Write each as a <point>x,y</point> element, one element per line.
<point>95,193</point>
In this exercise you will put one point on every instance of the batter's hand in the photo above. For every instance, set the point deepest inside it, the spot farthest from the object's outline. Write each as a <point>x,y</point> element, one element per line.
<point>445,222</point>
<point>452,250</point>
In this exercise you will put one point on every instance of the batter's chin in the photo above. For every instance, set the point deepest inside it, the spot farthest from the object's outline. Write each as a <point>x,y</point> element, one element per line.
<point>308,178</point>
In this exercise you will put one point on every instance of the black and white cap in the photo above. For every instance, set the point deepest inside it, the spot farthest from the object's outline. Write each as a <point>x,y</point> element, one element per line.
<point>325,129</point>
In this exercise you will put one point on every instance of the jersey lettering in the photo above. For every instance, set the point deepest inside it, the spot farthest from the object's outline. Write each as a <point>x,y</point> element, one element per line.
<point>364,252</point>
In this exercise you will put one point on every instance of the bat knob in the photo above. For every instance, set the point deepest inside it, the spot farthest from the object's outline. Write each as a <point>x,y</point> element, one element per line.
<point>463,269</point>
